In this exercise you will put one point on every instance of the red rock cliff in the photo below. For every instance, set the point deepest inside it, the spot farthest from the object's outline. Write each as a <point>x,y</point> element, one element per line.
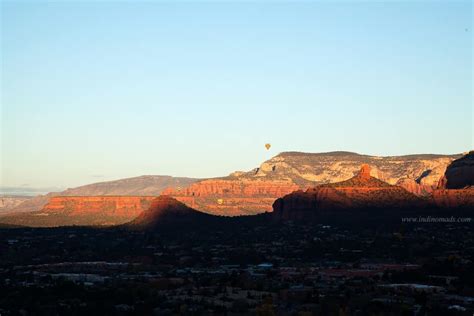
<point>233,197</point>
<point>96,210</point>
<point>459,174</point>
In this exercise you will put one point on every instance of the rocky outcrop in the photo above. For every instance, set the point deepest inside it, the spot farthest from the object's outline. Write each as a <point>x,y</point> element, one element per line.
<point>360,192</point>
<point>459,174</point>
<point>308,169</point>
<point>411,185</point>
<point>230,187</point>
<point>364,173</point>
<point>456,188</point>
<point>84,210</point>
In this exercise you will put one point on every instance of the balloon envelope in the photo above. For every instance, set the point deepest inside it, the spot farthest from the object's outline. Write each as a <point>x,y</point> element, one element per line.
<point>267,146</point>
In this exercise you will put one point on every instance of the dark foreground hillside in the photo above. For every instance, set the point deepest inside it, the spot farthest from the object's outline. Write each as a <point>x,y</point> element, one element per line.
<point>337,264</point>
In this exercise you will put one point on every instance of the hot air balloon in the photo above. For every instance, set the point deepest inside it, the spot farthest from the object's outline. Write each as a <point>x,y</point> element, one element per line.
<point>220,201</point>
<point>267,146</point>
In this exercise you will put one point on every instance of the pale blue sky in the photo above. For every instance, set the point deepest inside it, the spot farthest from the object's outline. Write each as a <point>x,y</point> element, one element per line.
<point>97,91</point>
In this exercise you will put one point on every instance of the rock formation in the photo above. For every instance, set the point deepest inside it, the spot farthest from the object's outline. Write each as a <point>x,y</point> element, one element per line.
<point>137,186</point>
<point>244,193</point>
<point>459,174</point>
<point>232,197</point>
<point>456,188</point>
<point>253,192</point>
<point>364,173</point>
<point>9,202</point>
<point>120,206</point>
<point>274,178</point>
<point>84,210</point>
<point>360,192</point>
<point>313,169</point>
<point>411,185</point>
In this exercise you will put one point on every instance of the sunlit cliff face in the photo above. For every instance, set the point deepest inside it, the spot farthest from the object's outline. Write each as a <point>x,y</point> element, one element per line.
<point>252,192</point>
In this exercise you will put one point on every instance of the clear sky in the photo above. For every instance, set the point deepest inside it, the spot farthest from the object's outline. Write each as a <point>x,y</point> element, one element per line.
<point>93,91</point>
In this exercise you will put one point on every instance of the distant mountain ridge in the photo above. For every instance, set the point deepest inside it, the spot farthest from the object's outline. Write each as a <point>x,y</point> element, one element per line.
<point>252,192</point>
<point>351,153</point>
<point>104,210</point>
<point>205,198</point>
<point>137,186</point>
<point>310,168</point>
